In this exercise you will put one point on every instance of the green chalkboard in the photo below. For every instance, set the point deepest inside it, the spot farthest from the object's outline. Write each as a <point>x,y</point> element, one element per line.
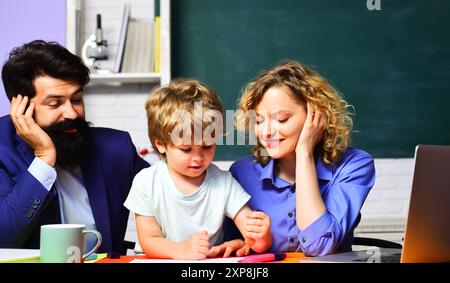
<point>392,65</point>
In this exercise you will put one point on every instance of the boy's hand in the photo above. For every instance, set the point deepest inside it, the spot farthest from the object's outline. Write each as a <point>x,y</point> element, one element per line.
<point>197,246</point>
<point>30,132</point>
<point>250,242</point>
<point>258,225</point>
<point>245,250</point>
<point>257,231</point>
<point>227,248</point>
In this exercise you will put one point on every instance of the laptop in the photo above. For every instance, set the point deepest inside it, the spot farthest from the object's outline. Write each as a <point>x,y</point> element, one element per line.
<point>427,234</point>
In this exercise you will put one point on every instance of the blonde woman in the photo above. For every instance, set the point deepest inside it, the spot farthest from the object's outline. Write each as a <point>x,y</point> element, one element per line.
<point>302,173</point>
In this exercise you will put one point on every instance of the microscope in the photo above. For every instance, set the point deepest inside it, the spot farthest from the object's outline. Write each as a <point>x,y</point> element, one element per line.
<point>94,49</point>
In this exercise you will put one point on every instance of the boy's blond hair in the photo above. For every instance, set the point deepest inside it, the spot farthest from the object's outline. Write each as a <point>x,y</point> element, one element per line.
<point>180,96</point>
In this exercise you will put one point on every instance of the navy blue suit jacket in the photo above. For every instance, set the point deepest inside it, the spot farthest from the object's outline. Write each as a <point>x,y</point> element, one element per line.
<point>25,204</point>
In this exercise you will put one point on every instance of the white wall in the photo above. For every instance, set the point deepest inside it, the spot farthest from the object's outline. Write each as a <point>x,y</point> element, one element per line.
<point>121,108</point>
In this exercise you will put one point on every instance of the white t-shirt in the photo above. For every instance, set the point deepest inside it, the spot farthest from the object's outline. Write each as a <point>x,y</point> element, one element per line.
<point>154,193</point>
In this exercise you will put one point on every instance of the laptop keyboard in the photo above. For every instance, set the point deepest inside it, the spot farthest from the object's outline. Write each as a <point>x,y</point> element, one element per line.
<point>393,258</point>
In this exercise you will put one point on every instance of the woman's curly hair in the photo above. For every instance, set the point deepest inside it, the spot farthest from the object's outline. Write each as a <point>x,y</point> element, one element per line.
<point>305,85</point>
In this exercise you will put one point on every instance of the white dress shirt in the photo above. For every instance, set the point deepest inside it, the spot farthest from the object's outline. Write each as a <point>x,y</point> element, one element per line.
<point>73,198</point>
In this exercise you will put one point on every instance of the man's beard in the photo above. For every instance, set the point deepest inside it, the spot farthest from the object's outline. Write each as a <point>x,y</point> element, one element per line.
<point>72,149</point>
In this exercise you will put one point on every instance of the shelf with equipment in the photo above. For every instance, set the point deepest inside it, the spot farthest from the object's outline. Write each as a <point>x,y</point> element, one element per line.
<point>76,21</point>
<point>122,78</point>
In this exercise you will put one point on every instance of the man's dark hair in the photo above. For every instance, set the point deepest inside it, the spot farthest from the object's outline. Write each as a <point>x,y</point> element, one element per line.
<point>41,58</point>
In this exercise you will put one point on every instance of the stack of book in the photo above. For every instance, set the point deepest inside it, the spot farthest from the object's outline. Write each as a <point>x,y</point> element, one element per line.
<point>138,49</point>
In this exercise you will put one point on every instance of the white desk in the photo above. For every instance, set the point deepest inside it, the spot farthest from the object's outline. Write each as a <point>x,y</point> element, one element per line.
<point>19,255</point>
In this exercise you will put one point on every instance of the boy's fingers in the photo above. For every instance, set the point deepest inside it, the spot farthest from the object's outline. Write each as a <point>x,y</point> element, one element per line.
<point>239,243</point>
<point>202,235</point>
<point>250,242</point>
<point>220,250</point>
<point>254,235</point>
<point>213,252</point>
<point>257,215</point>
<point>204,250</point>
<point>255,222</point>
<point>254,229</point>
<point>243,251</point>
<point>228,252</point>
<point>246,250</point>
<point>204,243</point>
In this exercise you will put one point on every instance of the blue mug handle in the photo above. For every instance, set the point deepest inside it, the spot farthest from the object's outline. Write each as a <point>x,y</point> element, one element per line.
<point>97,245</point>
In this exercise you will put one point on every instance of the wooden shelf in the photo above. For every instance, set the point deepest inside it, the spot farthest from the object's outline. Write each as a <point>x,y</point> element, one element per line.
<point>122,78</point>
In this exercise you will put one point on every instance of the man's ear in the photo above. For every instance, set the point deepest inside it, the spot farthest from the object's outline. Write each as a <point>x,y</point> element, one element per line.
<point>161,148</point>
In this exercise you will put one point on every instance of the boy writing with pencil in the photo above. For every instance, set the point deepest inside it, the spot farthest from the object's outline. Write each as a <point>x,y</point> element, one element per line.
<point>181,202</point>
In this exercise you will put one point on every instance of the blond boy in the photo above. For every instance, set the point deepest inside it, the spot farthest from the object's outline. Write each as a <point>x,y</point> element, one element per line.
<point>181,202</point>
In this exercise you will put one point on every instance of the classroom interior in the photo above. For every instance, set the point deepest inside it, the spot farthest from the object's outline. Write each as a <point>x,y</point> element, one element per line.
<point>391,64</point>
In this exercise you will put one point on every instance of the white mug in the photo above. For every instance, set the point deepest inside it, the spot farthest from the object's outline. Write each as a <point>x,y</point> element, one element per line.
<point>66,243</point>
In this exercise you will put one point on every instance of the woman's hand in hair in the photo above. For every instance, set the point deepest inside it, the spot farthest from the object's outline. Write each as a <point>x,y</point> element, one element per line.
<point>312,131</point>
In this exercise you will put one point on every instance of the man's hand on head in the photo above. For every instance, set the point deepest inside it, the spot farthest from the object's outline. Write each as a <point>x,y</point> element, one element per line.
<point>30,131</point>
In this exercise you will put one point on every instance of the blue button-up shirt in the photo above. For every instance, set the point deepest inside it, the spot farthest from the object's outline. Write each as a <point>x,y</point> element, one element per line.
<point>344,189</point>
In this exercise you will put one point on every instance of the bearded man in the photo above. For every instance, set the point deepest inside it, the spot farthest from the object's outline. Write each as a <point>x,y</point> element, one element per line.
<point>55,167</point>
